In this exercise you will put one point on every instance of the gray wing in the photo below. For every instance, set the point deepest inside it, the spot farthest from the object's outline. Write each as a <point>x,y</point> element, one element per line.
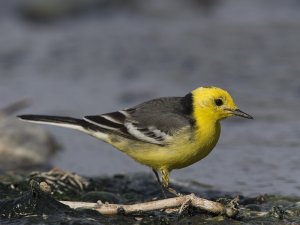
<point>154,121</point>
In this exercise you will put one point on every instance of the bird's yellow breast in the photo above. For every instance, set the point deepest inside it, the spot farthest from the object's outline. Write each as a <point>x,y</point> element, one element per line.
<point>186,147</point>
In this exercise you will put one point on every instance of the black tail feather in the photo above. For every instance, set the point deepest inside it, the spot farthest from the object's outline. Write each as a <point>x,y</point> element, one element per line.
<point>54,119</point>
<point>61,120</point>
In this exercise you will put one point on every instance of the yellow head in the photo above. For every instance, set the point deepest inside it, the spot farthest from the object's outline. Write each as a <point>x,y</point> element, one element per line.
<point>215,103</point>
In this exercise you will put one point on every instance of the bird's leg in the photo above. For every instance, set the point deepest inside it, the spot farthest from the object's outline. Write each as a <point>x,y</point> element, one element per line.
<point>160,184</point>
<point>165,182</point>
<point>156,175</point>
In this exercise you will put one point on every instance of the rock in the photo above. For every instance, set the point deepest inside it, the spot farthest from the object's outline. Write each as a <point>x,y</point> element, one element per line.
<point>23,145</point>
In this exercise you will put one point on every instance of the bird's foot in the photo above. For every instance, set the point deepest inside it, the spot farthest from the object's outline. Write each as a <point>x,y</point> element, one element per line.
<point>173,191</point>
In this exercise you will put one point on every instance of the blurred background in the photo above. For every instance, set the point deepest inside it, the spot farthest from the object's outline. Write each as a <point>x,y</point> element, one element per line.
<point>86,57</point>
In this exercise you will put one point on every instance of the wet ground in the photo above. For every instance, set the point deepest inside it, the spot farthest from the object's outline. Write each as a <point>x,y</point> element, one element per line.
<point>25,199</point>
<point>111,59</point>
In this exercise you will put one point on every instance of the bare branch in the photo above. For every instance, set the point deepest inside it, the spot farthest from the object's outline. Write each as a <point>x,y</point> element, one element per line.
<point>180,202</point>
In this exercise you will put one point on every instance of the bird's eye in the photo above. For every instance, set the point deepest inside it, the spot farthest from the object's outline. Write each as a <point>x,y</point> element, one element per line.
<point>218,102</point>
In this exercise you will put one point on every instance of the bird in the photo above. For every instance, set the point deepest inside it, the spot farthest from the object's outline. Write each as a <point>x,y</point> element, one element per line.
<point>165,133</point>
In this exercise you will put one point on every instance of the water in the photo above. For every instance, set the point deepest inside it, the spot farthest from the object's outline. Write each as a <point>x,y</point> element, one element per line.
<point>96,64</point>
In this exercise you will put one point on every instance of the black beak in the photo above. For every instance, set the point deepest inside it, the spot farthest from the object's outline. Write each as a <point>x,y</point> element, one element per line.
<point>240,113</point>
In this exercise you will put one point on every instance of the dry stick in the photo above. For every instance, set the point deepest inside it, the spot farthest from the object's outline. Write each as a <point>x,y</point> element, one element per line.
<point>177,202</point>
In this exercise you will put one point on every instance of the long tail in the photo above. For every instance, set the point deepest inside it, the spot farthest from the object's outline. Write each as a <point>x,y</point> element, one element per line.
<point>68,122</point>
